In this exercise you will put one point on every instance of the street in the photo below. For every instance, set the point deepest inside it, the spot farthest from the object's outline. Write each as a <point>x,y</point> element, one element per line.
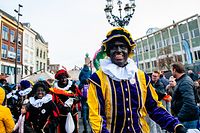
<point>81,128</point>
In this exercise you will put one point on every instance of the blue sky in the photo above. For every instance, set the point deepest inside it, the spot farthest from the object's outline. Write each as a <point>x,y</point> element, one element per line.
<point>76,27</point>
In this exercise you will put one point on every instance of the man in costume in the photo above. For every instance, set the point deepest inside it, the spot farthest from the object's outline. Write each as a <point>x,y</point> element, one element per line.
<point>120,95</point>
<point>65,95</point>
<point>23,93</point>
<point>42,114</point>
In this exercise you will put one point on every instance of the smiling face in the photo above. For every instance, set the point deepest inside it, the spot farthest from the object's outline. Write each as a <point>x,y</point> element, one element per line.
<point>118,52</point>
<point>40,93</point>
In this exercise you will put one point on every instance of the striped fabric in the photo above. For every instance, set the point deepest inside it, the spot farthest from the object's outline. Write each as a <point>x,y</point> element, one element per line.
<point>121,107</point>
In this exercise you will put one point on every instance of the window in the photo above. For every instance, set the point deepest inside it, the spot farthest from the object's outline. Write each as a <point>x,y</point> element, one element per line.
<point>19,39</point>
<point>26,70</point>
<point>31,58</point>
<point>141,66</point>
<point>18,55</point>
<point>147,64</point>
<point>152,46</point>
<point>26,56</point>
<point>44,65</point>
<point>37,65</point>
<point>139,50</point>
<point>175,39</point>
<point>44,55</point>
<point>40,53</point>
<point>12,36</point>
<point>12,49</point>
<point>195,33</point>
<point>159,44</point>
<point>11,70</point>
<point>199,54</point>
<point>185,36</point>
<point>5,33</point>
<point>7,69</point>
<point>4,69</point>
<point>40,65</point>
<point>31,42</point>
<point>37,52</point>
<point>4,51</point>
<point>146,48</point>
<point>154,63</point>
<point>31,70</point>
<point>26,39</point>
<point>166,42</point>
<point>195,55</point>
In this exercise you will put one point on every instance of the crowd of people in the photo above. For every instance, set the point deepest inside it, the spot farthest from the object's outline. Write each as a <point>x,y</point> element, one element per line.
<point>118,97</point>
<point>39,107</point>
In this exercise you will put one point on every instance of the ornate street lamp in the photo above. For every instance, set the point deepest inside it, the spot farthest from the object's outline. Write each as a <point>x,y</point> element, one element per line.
<point>114,20</point>
<point>16,40</point>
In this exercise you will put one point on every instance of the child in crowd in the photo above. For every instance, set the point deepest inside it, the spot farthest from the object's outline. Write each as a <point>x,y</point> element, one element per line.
<point>19,126</point>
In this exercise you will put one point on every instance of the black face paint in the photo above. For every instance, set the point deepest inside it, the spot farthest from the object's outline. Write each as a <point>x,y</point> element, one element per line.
<point>118,52</point>
<point>40,93</point>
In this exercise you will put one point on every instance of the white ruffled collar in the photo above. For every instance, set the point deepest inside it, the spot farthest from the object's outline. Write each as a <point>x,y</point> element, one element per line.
<point>25,92</point>
<point>12,94</point>
<point>39,102</point>
<point>65,88</point>
<point>119,73</point>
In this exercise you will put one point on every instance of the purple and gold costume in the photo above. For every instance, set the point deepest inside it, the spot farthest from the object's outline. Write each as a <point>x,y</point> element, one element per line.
<point>121,106</point>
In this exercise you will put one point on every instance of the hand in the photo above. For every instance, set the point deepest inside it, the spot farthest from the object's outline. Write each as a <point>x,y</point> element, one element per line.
<point>69,102</point>
<point>180,129</point>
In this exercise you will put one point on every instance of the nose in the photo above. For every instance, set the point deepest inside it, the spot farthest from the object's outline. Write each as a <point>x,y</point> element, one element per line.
<point>119,49</point>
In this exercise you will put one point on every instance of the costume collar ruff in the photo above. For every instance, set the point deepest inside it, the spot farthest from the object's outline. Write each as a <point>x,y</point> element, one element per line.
<point>25,92</point>
<point>39,102</point>
<point>119,73</point>
<point>12,94</point>
<point>65,88</point>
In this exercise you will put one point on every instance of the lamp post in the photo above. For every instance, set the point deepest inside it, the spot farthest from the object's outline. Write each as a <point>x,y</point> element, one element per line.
<point>16,40</point>
<point>121,21</point>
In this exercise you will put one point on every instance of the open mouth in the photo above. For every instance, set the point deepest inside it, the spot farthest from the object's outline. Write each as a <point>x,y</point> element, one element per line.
<point>40,95</point>
<point>119,56</point>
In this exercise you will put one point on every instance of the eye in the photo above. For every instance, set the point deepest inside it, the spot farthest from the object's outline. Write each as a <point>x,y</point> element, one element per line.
<point>123,47</point>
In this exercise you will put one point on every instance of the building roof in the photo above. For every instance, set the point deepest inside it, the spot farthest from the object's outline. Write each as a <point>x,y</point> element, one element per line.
<point>9,16</point>
<point>39,37</point>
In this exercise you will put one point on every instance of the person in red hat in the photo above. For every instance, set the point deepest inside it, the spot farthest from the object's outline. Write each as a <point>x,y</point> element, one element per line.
<point>66,95</point>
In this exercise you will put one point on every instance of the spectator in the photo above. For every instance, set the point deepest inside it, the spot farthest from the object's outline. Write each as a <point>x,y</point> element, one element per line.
<point>193,75</point>
<point>170,92</point>
<point>196,92</point>
<point>83,77</point>
<point>171,85</point>
<point>24,92</point>
<point>163,79</point>
<point>19,126</point>
<point>160,90</point>
<point>183,100</point>
<point>158,85</point>
<point>6,121</point>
